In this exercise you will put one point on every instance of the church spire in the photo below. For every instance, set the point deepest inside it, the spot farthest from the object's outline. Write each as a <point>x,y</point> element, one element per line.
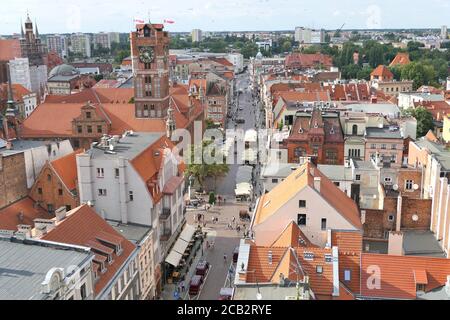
<point>170,123</point>
<point>37,32</point>
<point>21,29</point>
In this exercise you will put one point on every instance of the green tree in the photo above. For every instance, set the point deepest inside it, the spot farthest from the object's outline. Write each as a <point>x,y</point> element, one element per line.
<point>419,72</point>
<point>202,170</point>
<point>286,46</point>
<point>424,120</point>
<point>212,198</point>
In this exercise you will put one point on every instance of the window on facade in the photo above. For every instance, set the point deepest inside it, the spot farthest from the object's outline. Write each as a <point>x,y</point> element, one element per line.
<point>147,66</point>
<point>100,173</point>
<point>89,129</point>
<point>391,217</point>
<point>83,292</point>
<point>302,203</point>
<point>383,146</point>
<point>319,269</point>
<point>99,129</point>
<point>347,275</point>
<point>337,184</point>
<point>328,258</point>
<point>394,147</point>
<point>116,172</point>
<point>76,144</point>
<point>301,219</point>
<point>39,190</point>
<point>355,129</point>
<point>358,177</point>
<point>323,224</point>
<point>409,185</point>
<point>131,195</point>
<point>49,177</point>
<point>50,208</point>
<point>274,180</point>
<point>102,192</point>
<point>88,115</point>
<point>79,129</point>
<point>373,146</point>
<point>308,255</point>
<point>60,192</point>
<point>68,207</point>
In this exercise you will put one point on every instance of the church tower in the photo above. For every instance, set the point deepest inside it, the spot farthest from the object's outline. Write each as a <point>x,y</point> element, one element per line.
<point>150,53</point>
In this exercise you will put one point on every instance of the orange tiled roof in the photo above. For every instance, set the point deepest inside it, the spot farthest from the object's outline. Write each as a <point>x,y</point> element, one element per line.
<point>382,71</point>
<point>81,227</point>
<point>401,58</point>
<point>349,245</point>
<point>271,202</point>
<point>397,275</point>
<point>18,92</point>
<point>66,168</point>
<point>305,96</point>
<point>284,261</point>
<point>9,216</point>
<point>292,236</point>
<point>148,165</point>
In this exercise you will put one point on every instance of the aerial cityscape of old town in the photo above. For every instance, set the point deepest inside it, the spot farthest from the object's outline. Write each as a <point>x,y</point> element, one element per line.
<point>147,154</point>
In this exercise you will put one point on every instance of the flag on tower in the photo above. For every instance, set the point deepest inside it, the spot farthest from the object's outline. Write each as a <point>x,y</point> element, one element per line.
<point>169,21</point>
<point>139,21</point>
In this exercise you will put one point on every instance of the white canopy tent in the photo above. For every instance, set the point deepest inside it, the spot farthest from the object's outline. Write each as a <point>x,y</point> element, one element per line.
<point>178,249</point>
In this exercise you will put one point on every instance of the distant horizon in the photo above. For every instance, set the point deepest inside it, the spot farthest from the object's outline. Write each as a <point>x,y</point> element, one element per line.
<point>220,16</point>
<point>239,31</point>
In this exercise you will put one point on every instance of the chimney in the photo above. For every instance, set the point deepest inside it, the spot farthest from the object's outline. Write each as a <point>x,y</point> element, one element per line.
<point>374,99</point>
<point>60,214</point>
<point>395,244</point>
<point>398,221</point>
<point>317,182</point>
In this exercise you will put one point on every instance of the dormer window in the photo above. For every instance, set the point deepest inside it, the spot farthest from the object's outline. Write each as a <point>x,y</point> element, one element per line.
<point>88,115</point>
<point>308,256</point>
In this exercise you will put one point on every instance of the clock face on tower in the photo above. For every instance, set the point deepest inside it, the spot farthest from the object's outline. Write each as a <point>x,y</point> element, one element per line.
<point>146,54</point>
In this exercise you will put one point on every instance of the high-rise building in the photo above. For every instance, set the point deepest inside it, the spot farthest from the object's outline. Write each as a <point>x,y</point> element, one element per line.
<point>150,52</point>
<point>444,33</point>
<point>81,44</point>
<point>197,35</point>
<point>114,37</point>
<point>57,43</point>
<point>102,40</point>
<point>306,35</point>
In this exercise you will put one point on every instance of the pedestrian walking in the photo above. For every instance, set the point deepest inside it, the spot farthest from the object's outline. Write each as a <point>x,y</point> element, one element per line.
<point>225,258</point>
<point>234,219</point>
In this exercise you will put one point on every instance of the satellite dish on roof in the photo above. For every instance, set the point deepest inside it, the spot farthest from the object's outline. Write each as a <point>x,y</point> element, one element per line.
<point>395,187</point>
<point>416,186</point>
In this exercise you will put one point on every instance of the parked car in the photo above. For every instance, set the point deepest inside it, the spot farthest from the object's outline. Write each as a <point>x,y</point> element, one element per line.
<point>202,268</point>
<point>195,285</point>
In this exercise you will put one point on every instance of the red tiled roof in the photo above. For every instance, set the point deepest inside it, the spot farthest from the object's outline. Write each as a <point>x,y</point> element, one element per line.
<point>397,275</point>
<point>382,71</point>
<point>9,216</point>
<point>81,227</point>
<point>172,185</point>
<point>349,245</point>
<point>292,236</point>
<point>284,261</point>
<point>301,60</point>
<point>66,168</point>
<point>18,92</point>
<point>401,58</point>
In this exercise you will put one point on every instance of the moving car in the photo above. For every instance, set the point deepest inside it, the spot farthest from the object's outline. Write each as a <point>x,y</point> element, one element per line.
<point>202,268</point>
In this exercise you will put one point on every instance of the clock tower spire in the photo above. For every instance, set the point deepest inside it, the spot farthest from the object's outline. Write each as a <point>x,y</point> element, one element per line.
<point>150,51</point>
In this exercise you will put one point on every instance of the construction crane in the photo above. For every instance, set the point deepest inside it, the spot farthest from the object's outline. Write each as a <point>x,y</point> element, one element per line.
<point>338,31</point>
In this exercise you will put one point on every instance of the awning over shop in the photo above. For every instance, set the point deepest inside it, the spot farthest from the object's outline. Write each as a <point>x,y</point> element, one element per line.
<point>243,189</point>
<point>187,233</point>
<point>174,258</point>
<point>180,245</point>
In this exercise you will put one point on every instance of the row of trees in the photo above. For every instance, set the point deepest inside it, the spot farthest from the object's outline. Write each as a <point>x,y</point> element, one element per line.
<point>428,67</point>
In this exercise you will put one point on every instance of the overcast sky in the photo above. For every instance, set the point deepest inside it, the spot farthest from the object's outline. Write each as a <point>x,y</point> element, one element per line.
<point>117,15</point>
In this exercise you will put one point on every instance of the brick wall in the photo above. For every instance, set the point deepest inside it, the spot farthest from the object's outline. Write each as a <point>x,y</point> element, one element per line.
<point>46,190</point>
<point>380,221</point>
<point>13,179</point>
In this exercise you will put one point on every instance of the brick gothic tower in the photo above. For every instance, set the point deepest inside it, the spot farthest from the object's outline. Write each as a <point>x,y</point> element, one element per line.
<point>150,53</point>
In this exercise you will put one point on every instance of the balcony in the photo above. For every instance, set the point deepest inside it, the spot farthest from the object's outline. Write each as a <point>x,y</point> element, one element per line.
<point>165,235</point>
<point>165,214</point>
